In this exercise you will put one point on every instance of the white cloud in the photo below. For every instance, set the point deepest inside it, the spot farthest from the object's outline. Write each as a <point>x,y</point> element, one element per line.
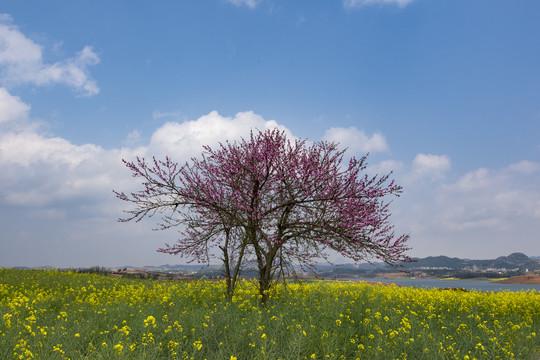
<point>351,4</point>
<point>252,4</point>
<point>525,167</point>
<point>26,148</point>
<point>430,165</point>
<point>43,172</point>
<point>38,170</point>
<point>423,167</point>
<point>159,115</point>
<point>54,181</point>
<point>11,107</point>
<point>186,139</point>
<point>484,213</point>
<point>356,140</point>
<point>21,61</point>
<point>67,187</point>
<point>385,167</point>
<point>474,180</point>
<point>133,138</point>
<point>492,199</point>
<point>65,191</point>
<point>16,48</point>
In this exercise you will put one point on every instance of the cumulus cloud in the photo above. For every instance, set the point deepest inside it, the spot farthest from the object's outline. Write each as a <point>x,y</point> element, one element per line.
<point>21,61</point>
<point>43,171</point>
<point>474,180</point>
<point>494,197</point>
<point>482,213</point>
<point>356,140</point>
<point>252,4</point>
<point>12,107</point>
<point>525,167</point>
<point>49,180</point>
<point>39,170</point>
<point>186,139</point>
<point>430,165</point>
<point>133,138</point>
<point>385,167</point>
<point>63,188</point>
<point>351,4</point>
<point>428,162</point>
<point>26,148</point>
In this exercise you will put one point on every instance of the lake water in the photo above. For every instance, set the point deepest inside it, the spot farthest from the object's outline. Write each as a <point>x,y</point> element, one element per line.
<point>480,285</point>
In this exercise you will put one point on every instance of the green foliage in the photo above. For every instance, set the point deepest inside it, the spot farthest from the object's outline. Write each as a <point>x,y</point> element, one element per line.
<point>67,315</point>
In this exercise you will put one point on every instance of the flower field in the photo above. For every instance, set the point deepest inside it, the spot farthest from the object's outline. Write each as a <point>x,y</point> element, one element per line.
<point>64,315</point>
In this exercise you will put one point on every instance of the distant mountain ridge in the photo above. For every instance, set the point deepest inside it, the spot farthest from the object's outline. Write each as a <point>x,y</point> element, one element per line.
<point>513,261</point>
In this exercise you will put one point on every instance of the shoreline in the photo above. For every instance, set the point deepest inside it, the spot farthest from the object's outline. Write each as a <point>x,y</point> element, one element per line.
<point>533,279</point>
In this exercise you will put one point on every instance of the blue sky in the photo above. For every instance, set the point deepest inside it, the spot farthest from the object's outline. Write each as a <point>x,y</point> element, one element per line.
<point>445,93</point>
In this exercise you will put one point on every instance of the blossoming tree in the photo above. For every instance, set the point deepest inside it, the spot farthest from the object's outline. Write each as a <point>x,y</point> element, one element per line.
<point>272,200</point>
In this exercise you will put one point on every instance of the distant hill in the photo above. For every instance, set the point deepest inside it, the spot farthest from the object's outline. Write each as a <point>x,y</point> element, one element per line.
<point>438,265</point>
<point>513,261</point>
<point>437,261</point>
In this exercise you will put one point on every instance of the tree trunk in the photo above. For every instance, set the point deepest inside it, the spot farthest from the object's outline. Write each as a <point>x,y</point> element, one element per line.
<point>227,269</point>
<point>265,282</point>
<point>232,268</point>
<point>266,275</point>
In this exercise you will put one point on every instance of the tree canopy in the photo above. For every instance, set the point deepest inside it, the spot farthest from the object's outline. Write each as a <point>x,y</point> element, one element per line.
<point>269,200</point>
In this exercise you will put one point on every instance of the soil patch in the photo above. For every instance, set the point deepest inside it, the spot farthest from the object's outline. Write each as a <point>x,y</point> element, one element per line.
<point>524,279</point>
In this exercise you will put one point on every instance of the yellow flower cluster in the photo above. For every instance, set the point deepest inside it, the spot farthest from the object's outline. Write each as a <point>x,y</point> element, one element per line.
<point>64,315</point>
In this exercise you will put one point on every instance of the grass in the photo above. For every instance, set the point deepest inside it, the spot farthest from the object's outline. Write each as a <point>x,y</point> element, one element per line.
<point>63,315</point>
